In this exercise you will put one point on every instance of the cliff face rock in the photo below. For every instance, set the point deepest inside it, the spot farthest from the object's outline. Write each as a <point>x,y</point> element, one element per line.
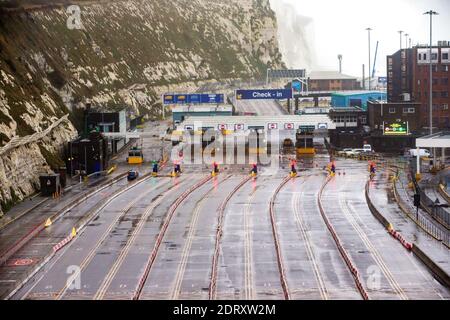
<point>122,53</point>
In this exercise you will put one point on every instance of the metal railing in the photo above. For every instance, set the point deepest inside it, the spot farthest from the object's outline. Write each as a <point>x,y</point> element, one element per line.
<point>422,219</point>
<point>439,213</point>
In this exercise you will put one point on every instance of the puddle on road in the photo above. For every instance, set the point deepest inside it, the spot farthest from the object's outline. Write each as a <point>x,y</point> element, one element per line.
<point>171,246</point>
<point>94,224</point>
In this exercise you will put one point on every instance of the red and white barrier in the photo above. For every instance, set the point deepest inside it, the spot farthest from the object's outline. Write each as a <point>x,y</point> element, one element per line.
<point>62,243</point>
<point>397,235</point>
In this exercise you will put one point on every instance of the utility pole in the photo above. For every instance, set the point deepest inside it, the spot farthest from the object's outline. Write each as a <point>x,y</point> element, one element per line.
<point>431,13</point>
<point>363,82</point>
<point>340,62</point>
<point>400,38</point>
<point>368,31</point>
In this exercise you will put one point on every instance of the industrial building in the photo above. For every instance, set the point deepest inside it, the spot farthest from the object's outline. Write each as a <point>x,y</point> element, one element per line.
<point>108,122</point>
<point>356,98</point>
<point>382,116</point>
<point>331,81</point>
<point>87,155</point>
<point>351,127</point>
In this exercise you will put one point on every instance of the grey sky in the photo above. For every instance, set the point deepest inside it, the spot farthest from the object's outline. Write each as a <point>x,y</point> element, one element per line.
<point>330,27</point>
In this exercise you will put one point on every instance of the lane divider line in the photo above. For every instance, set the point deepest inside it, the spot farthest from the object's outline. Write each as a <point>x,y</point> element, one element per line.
<point>90,215</point>
<point>161,234</point>
<point>309,250</point>
<point>248,275</point>
<point>345,208</point>
<point>425,259</point>
<point>156,201</point>
<point>215,261</point>
<point>4,256</point>
<point>176,288</point>
<point>102,239</point>
<point>280,261</point>
<point>342,251</point>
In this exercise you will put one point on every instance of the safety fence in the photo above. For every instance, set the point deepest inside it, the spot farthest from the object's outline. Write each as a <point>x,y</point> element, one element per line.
<point>20,141</point>
<point>439,272</point>
<point>440,214</point>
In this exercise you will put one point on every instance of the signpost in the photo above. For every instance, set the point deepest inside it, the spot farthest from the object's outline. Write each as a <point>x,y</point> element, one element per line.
<point>196,98</point>
<point>264,94</point>
<point>272,126</point>
<point>307,129</point>
<point>397,128</point>
<point>288,126</point>
<point>382,80</point>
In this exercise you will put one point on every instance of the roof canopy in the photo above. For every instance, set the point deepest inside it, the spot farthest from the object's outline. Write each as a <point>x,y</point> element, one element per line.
<point>329,75</point>
<point>437,140</point>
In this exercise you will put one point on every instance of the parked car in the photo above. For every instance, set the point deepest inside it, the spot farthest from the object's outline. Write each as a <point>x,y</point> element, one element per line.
<point>343,152</point>
<point>132,175</point>
<point>358,151</point>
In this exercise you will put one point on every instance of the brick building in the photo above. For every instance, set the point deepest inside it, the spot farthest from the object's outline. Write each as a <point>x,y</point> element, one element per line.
<point>381,116</point>
<point>408,80</point>
<point>331,81</point>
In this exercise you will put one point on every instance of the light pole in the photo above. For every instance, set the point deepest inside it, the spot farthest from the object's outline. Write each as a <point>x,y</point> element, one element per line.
<point>368,31</point>
<point>400,38</point>
<point>406,40</point>
<point>431,13</point>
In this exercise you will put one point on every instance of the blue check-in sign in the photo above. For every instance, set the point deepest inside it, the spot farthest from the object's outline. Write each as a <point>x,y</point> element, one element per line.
<point>195,98</point>
<point>261,94</point>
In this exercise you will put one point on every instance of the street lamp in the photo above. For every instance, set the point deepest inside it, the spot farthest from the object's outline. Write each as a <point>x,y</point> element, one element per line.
<point>431,13</point>
<point>368,31</point>
<point>406,40</point>
<point>400,38</point>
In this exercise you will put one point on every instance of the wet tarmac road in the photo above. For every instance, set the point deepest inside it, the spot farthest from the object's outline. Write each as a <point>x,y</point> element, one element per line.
<point>387,270</point>
<point>260,107</point>
<point>182,267</point>
<point>100,243</point>
<point>43,243</point>
<point>247,261</point>
<point>316,269</point>
<point>113,250</point>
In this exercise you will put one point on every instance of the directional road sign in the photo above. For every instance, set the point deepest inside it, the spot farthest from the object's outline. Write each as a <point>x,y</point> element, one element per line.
<point>196,98</point>
<point>260,94</point>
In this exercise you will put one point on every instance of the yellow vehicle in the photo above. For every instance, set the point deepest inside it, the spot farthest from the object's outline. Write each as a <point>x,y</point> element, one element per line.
<point>135,156</point>
<point>304,144</point>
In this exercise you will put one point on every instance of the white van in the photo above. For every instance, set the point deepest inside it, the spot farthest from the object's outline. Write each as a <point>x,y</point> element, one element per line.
<point>367,148</point>
<point>422,153</point>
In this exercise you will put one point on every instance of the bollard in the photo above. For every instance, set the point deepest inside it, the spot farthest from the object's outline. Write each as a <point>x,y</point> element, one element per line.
<point>48,223</point>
